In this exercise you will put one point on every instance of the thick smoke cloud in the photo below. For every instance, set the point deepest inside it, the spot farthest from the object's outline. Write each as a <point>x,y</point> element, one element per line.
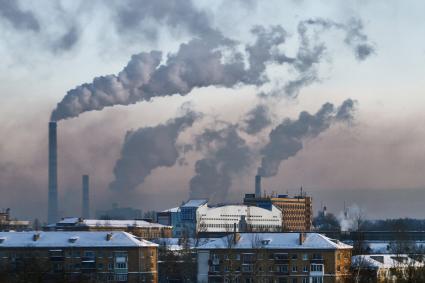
<point>226,154</point>
<point>17,17</point>
<point>148,148</point>
<point>134,15</point>
<point>257,119</point>
<point>286,140</point>
<point>201,62</point>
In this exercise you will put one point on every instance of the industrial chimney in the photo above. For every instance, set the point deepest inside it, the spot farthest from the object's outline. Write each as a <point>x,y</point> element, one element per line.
<point>257,186</point>
<point>86,198</point>
<point>52,214</point>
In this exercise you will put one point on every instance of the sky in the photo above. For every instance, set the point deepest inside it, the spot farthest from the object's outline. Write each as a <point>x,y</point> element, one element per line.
<point>160,101</point>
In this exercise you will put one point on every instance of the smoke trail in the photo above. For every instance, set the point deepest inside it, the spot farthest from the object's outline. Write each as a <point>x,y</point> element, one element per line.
<point>134,16</point>
<point>286,140</point>
<point>148,148</point>
<point>226,154</point>
<point>18,18</point>
<point>257,119</point>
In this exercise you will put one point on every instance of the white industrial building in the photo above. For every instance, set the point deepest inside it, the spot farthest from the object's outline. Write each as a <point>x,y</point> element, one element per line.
<point>242,217</point>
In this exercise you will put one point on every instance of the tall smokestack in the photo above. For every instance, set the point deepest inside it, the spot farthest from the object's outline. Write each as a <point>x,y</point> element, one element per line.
<point>258,186</point>
<point>86,198</point>
<point>52,214</point>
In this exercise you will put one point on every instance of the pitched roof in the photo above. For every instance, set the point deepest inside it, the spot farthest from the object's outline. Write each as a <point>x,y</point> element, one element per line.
<point>70,239</point>
<point>277,241</point>
<point>109,223</point>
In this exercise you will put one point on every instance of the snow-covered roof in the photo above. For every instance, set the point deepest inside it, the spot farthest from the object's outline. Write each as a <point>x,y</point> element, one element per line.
<point>377,261</point>
<point>195,203</point>
<point>109,223</point>
<point>175,244</point>
<point>36,239</point>
<point>277,241</point>
<point>174,209</point>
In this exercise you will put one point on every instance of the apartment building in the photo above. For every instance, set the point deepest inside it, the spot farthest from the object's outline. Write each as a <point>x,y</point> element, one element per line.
<point>139,228</point>
<point>76,257</point>
<point>274,257</point>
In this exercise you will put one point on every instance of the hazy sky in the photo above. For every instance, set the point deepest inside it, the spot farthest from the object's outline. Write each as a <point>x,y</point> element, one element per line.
<point>375,160</point>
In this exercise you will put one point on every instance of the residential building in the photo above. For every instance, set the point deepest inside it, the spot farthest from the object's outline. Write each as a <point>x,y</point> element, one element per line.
<point>8,224</point>
<point>297,211</point>
<point>139,228</point>
<point>274,257</point>
<point>243,218</point>
<point>385,268</point>
<point>76,256</point>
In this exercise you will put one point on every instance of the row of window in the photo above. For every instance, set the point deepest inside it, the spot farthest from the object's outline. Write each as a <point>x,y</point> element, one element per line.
<point>281,268</point>
<point>314,279</point>
<point>277,256</point>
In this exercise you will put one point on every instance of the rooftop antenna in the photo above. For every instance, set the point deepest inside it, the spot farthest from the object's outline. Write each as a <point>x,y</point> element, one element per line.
<point>345,211</point>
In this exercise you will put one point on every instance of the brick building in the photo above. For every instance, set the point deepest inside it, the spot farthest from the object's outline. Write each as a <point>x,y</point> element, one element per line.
<point>274,257</point>
<point>76,257</point>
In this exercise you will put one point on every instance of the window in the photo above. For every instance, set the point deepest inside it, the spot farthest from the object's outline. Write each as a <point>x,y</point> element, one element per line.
<point>305,256</point>
<point>305,268</point>
<point>110,266</point>
<point>305,280</point>
<point>294,280</point>
<point>294,268</point>
<point>294,256</point>
<point>247,268</point>
<point>121,277</point>
<point>100,266</point>
<point>338,256</point>
<point>316,279</point>
<point>90,254</point>
<point>316,267</point>
<point>282,268</point>
<point>121,265</point>
<point>338,268</point>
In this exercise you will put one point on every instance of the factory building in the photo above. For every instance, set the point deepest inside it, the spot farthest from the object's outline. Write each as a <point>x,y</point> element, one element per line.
<point>297,211</point>
<point>139,228</point>
<point>243,218</point>
<point>8,224</point>
<point>274,257</point>
<point>76,257</point>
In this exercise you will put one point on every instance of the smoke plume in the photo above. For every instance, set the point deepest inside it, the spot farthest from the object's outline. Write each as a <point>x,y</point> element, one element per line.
<point>134,15</point>
<point>257,119</point>
<point>226,154</point>
<point>286,140</point>
<point>17,17</point>
<point>148,148</point>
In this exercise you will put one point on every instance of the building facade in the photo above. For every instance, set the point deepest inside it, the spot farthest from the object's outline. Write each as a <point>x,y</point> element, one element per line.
<point>243,218</point>
<point>274,257</point>
<point>139,228</point>
<point>297,211</point>
<point>76,257</point>
<point>187,216</point>
<point>8,224</point>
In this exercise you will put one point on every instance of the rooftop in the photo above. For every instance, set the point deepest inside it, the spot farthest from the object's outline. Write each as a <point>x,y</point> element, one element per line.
<point>376,261</point>
<point>70,221</point>
<point>195,203</point>
<point>277,241</point>
<point>36,239</point>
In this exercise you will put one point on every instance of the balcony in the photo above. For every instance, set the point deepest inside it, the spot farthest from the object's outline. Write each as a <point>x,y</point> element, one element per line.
<point>317,260</point>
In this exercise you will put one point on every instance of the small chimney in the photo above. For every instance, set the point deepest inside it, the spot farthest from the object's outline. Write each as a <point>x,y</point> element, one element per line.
<point>109,236</point>
<point>86,197</point>
<point>35,237</point>
<point>236,235</point>
<point>258,186</point>
<point>302,237</point>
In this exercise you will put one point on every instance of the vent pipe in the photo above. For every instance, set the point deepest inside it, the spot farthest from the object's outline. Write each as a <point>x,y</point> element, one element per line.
<point>257,186</point>
<point>86,197</point>
<point>52,214</point>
